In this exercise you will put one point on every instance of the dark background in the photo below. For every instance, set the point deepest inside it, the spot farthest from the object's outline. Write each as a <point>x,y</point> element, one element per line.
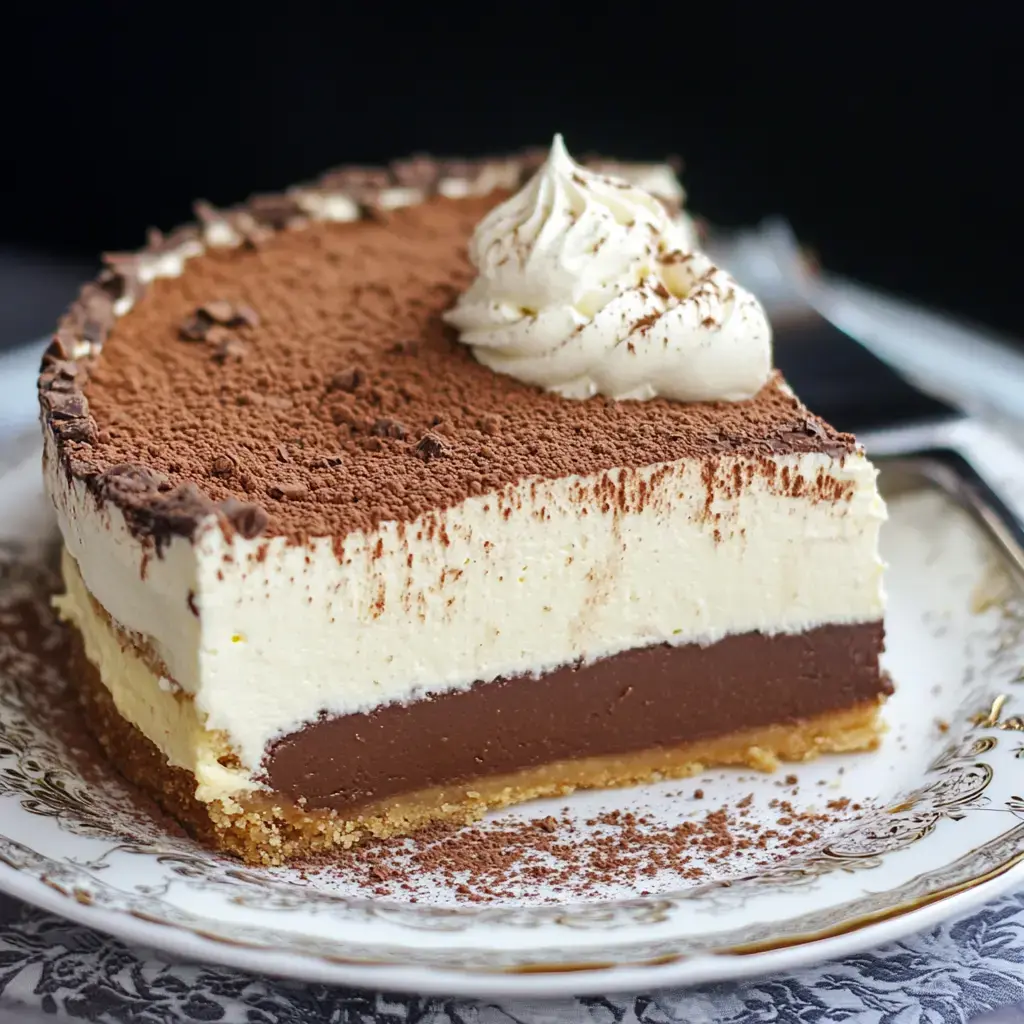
<point>887,137</point>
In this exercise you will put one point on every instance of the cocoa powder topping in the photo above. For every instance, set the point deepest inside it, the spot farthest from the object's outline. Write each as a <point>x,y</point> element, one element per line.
<point>330,339</point>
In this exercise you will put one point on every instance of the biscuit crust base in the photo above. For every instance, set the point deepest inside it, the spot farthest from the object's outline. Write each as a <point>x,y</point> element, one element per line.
<point>271,829</point>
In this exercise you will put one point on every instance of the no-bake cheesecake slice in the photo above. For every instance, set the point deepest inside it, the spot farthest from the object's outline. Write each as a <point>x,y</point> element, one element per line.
<point>438,488</point>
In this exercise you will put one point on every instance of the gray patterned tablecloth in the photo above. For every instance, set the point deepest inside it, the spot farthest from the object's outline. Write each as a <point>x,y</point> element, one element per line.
<point>965,970</point>
<point>958,972</point>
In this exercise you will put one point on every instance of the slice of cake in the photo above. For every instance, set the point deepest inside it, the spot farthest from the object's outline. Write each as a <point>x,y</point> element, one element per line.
<point>408,494</point>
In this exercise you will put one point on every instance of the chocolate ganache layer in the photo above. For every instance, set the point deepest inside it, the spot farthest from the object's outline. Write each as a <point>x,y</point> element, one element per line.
<point>648,697</point>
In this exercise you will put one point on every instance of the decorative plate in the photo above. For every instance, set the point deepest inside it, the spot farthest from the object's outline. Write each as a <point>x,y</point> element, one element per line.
<point>928,826</point>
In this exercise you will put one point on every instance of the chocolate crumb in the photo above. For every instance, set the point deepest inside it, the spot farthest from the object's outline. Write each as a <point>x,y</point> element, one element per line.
<point>347,380</point>
<point>289,491</point>
<point>248,519</point>
<point>230,315</point>
<point>66,406</point>
<point>217,335</point>
<point>431,446</point>
<point>222,466</point>
<point>227,348</point>
<point>219,312</point>
<point>209,322</point>
<point>388,428</point>
<point>195,328</point>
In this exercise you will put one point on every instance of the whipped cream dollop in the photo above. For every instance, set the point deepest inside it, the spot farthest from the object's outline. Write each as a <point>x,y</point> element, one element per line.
<point>587,285</point>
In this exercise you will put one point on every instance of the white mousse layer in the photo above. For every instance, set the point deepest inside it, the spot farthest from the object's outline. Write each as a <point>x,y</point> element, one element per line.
<point>266,635</point>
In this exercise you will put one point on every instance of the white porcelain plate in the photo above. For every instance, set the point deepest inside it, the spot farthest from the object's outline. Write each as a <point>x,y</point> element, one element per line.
<point>940,827</point>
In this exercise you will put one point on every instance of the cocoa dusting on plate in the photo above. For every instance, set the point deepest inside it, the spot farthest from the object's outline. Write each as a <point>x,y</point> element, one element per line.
<point>554,859</point>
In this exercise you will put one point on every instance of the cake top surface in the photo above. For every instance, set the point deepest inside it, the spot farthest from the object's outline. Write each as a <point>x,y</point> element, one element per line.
<point>305,384</point>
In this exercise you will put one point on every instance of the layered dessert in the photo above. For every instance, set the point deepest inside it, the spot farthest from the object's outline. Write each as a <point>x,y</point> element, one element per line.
<point>425,490</point>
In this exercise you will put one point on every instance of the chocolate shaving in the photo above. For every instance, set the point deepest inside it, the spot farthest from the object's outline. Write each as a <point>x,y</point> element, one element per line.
<point>219,311</point>
<point>253,231</point>
<point>245,316</point>
<point>209,321</point>
<point>430,446</point>
<point>152,507</point>
<point>195,327</point>
<point>289,491</point>
<point>131,478</point>
<point>356,180</point>
<point>388,428</point>
<point>347,380</point>
<point>217,335</point>
<point>223,465</point>
<point>121,266</point>
<point>419,172</point>
<point>227,348</point>
<point>181,508</point>
<point>65,405</point>
<point>57,360</point>
<point>408,346</point>
<point>207,214</point>
<point>246,518</point>
<point>82,430</point>
<point>277,211</point>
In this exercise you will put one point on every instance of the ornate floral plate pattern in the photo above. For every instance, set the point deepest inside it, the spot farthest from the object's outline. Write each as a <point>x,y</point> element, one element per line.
<point>943,828</point>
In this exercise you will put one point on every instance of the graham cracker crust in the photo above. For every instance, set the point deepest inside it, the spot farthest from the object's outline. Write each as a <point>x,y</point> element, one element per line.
<point>265,829</point>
